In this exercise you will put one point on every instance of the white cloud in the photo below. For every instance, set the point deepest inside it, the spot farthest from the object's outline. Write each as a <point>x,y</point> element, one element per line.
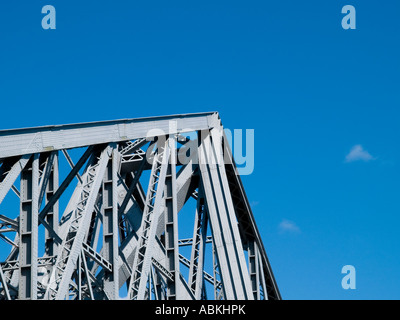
<point>288,226</point>
<point>357,153</point>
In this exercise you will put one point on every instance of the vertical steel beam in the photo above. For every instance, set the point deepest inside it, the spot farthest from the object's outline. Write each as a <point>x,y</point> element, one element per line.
<point>171,224</point>
<point>28,231</point>
<point>254,268</point>
<point>51,217</point>
<point>110,222</point>
<point>115,251</point>
<point>79,276</point>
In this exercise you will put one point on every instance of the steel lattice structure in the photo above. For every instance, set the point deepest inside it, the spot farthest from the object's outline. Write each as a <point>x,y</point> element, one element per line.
<point>151,207</point>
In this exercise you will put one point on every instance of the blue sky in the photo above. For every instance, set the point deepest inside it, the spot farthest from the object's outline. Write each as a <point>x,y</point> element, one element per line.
<point>312,92</point>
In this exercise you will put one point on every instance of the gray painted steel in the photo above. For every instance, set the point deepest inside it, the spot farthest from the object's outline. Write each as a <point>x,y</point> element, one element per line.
<point>130,199</point>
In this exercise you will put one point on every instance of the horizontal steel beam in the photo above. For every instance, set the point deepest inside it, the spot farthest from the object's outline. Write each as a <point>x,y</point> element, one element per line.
<point>14,264</point>
<point>41,139</point>
<point>189,241</point>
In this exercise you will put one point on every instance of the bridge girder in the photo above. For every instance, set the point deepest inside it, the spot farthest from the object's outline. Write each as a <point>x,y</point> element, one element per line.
<point>115,240</point>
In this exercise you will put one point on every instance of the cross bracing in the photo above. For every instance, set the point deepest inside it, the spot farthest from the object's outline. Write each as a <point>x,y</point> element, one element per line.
<point>150,208</point>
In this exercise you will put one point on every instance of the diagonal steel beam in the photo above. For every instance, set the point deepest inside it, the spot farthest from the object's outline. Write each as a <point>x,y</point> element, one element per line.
<point>12,175</point>
<point>4,283</point>
<point>64,185</point>
<point>245,217</point>
<point>147,231</point>
<point>198,249</point>
<point>73,241</point>
<point>229,249</point>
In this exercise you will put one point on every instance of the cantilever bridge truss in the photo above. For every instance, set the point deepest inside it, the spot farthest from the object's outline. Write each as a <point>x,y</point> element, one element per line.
<point>138,209</point>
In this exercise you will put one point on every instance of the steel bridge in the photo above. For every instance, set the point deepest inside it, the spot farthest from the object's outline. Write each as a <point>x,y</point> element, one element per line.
<point>150,208</point>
